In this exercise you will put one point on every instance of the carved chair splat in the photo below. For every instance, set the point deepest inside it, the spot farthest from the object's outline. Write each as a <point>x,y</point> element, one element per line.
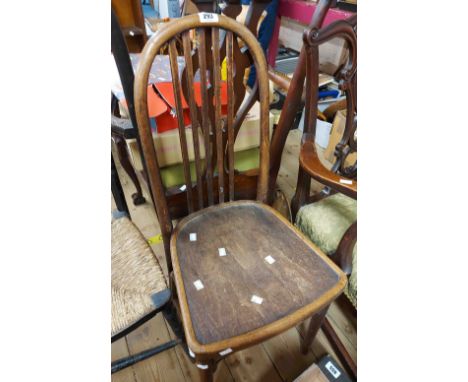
<point>330,221</point>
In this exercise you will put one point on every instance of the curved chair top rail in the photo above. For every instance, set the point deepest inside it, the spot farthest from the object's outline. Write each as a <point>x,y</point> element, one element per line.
<point>233,8</point>
<point>205,24</point>
<point>340,177</point>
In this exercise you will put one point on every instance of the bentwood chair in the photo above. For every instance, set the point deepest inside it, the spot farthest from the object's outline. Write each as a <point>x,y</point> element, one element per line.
<point>124,130</point>
<point>242,272</point>
<point>329,219</point>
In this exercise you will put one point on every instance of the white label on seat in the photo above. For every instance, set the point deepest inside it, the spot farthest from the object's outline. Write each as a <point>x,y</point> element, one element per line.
<point>332,369</point>
<point>198,284</point>
<point>256,299</point>
<point>201,366</point>
<point>193,237</point>
<point>346,181</point>
<point>269,259</point>
<point>192,354</point>
<point>183,188</point>
<point>225,352</point>
<point>222,251</point>
<point>206,17</point>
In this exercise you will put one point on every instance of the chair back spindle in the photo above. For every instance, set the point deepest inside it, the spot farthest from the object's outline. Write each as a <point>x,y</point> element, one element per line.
<point>207,42</point>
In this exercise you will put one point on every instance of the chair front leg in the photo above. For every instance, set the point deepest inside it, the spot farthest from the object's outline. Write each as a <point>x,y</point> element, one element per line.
<point>206,370</point>
<point>314,326</point>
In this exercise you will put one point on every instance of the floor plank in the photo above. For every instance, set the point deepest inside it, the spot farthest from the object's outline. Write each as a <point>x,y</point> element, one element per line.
<point>284,351</point>
<point>345,329</point>
<point>163,366</point>
<point>190,370</point>
<point>120,350</point>
<point>252,365</point>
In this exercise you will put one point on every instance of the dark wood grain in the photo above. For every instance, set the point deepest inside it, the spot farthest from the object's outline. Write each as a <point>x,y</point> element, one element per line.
<point>340,178</point>
<point>165,34</point>
<point>217,106</point>
<point>343,255</point>
<point>193,115</point>
<point>300,278</point>
<point>293,99</point>
<point>206,120</point>
<point>180,122</point>
<point>310,162</point>
<point>230,115</point>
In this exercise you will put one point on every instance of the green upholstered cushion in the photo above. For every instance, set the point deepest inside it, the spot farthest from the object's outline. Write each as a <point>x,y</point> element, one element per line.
<point>243,161</point>
<point>325,223</point>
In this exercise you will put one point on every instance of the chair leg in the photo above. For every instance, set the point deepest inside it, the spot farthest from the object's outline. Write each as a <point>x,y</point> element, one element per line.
<point>137,197</point>
<point>131,360</point>
<point>171,316</point>
<point>117,191</point>
<point>314,326</point>
<point>207,374</point>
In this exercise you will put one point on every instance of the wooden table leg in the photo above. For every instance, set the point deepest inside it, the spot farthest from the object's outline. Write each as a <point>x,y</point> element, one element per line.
<point>125,162</point>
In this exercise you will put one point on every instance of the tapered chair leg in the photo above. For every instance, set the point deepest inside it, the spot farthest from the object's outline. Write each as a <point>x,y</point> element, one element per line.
<point>314,326</point>
<point>207,374</point>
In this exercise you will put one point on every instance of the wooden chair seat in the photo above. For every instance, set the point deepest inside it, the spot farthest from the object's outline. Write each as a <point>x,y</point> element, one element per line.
<point>136,276</point>
<point>301,281</point>
<point>324,223</point>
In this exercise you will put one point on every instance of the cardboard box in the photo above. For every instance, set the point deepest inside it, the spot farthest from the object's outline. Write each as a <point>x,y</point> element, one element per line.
<point>312,374</point>
<point>337,131</point>
<point>168,148</point>
<point>332,54</point>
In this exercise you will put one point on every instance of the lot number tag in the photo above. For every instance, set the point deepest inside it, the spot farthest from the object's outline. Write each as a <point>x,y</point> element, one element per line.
<point>206,17</point>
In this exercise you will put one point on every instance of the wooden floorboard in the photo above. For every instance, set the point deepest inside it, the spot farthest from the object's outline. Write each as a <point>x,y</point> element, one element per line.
<point>120,350</point>
<point>253,364</point>
<point>278,359</point>
<point>284,352</point>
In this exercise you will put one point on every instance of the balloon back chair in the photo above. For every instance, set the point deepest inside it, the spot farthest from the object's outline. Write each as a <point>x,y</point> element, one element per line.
<point>329,219</point>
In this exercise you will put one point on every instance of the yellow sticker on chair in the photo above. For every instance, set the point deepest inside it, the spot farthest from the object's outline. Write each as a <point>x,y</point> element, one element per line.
<point>224,71</point>
<point>155,239</point>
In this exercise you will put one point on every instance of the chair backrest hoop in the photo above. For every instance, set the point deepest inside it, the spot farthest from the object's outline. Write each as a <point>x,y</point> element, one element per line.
<point>162,37</point>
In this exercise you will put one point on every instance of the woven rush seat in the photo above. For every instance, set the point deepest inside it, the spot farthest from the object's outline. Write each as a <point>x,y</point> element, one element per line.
<point>136,275</point>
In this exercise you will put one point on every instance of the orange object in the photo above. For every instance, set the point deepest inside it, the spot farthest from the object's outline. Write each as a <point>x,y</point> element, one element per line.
<point>161,102</point>
<point>167,121</point>
<point>156,106</point>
